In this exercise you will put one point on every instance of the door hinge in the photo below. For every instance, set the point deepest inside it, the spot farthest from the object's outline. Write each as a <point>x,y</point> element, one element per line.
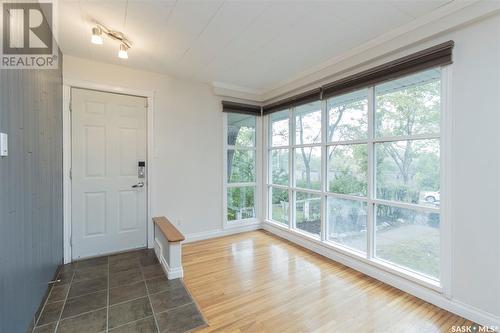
<point>70,173</point>
<point>70,107</point>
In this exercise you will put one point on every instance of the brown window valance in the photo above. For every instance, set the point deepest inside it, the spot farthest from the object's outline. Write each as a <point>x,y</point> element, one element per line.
<point>438,55</point>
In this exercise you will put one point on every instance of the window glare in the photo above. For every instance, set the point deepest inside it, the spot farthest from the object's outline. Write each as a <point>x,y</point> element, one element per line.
<point>408,238</point>
<point>348,169</point>
<point>240,203</point>
<point>308,167</point>
<point>408,171</point>
<point>280,128</point>
<point>240,166</point>
<point>347,223</point>
<point>279,205</point>
<point>241,130</point>
<point>409,105</point>
<point>308,123</point>
<point>308,212</point>
<point>241,155</point>
<point>279,166</point>
<point>348,116</point>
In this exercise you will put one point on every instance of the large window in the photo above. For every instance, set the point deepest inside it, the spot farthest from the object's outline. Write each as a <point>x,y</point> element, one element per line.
<point>241,167</point>
<point>361,171</point>
<point>347,170</point>
<point>407,163</point>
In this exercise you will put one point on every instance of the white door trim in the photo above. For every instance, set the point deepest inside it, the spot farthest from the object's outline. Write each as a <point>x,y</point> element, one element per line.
<point>67,85</point>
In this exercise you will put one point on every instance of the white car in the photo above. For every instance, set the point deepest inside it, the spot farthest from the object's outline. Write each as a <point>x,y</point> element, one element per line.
<point>431,197</point>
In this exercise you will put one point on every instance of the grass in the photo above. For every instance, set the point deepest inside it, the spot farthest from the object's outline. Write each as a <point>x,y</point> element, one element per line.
<point>420,254</point>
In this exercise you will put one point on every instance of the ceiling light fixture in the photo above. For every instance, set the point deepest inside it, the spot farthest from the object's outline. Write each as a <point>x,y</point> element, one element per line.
<point>123,52</point>
<point>125,44</point>
<point>96,36</point>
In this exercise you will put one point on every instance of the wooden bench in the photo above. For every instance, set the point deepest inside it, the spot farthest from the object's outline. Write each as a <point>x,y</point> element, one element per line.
<point>167,245</point>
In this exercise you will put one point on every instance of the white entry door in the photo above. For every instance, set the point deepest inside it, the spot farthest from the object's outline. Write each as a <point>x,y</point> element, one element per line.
<point>108,196</point>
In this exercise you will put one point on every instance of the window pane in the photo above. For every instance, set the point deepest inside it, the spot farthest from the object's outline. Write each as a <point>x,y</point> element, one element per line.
<point>347,169</point>
<point>279,166</point>
<point>240,203</point>
<point>241,130</point>
<point>308,123</point>
<point>408,238</point>
<point>279,205</point>
<point>308,167</point>
<point>409,105</point>
<point>240,166</point>
<point>347,223</point>
<point>348,116</point>
<point>280,133</point>
<point>308,212</point>
<point>408,171</point>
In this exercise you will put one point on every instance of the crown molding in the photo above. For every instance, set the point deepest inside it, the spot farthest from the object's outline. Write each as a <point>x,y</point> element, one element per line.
<point>449,17</point>
<point>232,91</point>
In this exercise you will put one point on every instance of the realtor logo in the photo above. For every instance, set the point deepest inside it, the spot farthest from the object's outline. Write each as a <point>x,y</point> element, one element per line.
<point>27,35</point>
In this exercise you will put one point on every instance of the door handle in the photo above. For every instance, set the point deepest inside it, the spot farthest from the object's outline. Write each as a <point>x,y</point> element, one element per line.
<point>139,184</point>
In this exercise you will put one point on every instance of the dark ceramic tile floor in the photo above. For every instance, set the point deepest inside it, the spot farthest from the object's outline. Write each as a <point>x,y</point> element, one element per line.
<point>126,292</point>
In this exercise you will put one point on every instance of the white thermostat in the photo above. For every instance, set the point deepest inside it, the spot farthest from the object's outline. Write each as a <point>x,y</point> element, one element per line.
<point>4,146</point>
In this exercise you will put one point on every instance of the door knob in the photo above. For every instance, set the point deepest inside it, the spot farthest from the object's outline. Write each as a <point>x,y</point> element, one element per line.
<point>139,184</point>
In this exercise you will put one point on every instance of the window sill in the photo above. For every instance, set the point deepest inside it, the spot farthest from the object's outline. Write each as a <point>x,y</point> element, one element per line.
<point>240,223</point>
<point>358,256</point>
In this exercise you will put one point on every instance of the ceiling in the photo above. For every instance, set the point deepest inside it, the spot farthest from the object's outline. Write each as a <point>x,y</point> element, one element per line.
<point>248,44</point>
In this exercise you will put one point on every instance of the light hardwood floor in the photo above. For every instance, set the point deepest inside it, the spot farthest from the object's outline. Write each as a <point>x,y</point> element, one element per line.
<point>257,282</point>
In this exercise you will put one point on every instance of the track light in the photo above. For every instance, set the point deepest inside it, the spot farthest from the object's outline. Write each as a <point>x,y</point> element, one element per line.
<point>96,36</point>
<point>123,52</point>
<point>99,30</point>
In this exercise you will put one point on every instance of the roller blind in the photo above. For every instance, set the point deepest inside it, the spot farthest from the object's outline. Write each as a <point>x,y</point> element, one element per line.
<point>234,107</point>
<point>309,96</point>
<point>438,55</point>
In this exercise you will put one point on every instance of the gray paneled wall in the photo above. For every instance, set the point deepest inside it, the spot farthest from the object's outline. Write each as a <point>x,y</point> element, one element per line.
<point>31,222</point>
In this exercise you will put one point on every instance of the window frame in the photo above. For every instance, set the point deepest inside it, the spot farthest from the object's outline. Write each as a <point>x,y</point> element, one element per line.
<point>256,184</point>
<point>442,283</point>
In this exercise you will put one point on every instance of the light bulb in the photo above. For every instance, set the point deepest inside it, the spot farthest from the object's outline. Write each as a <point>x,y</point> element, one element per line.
<point>123,52</point>
<point>96,36</point>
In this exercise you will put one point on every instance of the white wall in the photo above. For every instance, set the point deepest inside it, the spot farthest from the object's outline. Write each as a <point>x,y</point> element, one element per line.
<point>475,167</point>
<point>187,141</point>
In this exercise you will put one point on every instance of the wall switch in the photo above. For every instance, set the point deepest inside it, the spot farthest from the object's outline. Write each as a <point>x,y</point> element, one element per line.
<point>4,145</point>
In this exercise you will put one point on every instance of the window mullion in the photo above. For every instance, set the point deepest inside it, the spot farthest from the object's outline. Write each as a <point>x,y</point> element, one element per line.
<point>224,169</point>
<point>406,138</point>
<point>371,176</point>
<point>324,181</point>
<point>291,170</point>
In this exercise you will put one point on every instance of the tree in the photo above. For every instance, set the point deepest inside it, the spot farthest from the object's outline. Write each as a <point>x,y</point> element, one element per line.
<point>232,135</point>
<point>240,163</point>
<point>407,111</point>
<point>306,156</point>
<point>348,163</point>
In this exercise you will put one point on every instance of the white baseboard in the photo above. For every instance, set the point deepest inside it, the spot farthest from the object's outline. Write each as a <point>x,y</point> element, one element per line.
<point>467,311</point>
<point>172,273</point>
<point>197,236</point>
